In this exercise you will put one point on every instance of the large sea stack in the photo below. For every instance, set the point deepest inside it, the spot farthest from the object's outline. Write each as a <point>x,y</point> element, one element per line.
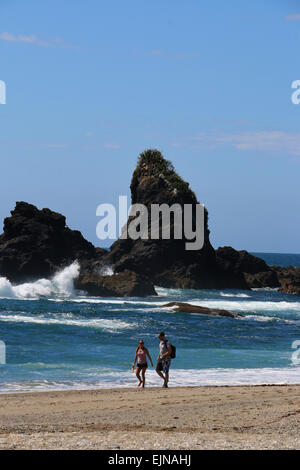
<point>168,262</point>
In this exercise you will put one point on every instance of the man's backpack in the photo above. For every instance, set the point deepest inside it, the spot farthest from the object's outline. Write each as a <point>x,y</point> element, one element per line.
<point>173,351</point>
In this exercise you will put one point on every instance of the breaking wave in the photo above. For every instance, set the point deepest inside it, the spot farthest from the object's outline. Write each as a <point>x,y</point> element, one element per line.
<point>111,325</point>
<point>242,296</point>
<point>106,271</point>
<point>60,285</point>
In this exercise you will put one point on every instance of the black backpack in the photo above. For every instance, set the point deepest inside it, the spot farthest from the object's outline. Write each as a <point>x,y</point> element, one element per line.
<point>173,352</point>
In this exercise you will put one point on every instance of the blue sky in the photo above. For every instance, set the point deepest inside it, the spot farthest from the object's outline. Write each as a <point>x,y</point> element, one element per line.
<point>91,84</point>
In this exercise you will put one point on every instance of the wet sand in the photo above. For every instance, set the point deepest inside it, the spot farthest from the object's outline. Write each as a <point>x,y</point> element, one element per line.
<point>252,417</point>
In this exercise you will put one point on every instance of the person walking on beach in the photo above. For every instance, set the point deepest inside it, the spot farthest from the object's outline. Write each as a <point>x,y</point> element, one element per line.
<point>141,358</point>
<point>164,359</point>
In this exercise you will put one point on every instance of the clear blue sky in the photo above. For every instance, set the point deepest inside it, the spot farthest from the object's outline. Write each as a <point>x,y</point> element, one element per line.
<point>91,84</point>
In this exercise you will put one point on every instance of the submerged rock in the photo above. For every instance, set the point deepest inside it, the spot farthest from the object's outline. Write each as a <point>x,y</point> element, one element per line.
<point>188,308</point>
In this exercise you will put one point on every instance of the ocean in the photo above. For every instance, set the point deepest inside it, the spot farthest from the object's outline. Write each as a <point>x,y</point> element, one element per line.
<point>57,338</point>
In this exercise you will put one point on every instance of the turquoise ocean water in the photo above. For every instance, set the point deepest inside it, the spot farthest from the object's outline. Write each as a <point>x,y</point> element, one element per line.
<point>57,338</point>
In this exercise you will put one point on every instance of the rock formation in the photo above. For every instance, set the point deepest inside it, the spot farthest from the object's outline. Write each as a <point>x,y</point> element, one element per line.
<point>288,278</point>
<point>167,262</point>
<point>37,243</point>
<point>125,284</point>
<point>257,273</point>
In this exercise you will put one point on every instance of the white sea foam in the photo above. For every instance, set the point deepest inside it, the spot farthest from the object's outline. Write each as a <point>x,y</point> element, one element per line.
<point>249,306</point>
<point>179,377</point>
<point>236,376</point>
<point>241,306</point>
<point>165,292</point>
<point>242,296</point>
<point>106,271</point>
<point>61,285</point>
<point>267,289</point>
<point>109,301</point>
<point>261,318</point>
<point>97,323</point>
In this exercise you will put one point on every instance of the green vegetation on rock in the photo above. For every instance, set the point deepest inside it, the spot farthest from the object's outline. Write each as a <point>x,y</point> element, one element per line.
<point>156,165</point>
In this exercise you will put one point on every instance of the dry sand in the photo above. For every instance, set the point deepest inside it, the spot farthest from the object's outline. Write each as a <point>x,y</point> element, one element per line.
<point>261,417</point>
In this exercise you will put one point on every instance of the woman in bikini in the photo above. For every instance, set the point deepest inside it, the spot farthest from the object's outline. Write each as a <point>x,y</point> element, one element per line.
<point>141,358</point>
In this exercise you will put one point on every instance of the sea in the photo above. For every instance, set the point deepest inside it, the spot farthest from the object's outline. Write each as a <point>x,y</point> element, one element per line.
<point>54,338</point>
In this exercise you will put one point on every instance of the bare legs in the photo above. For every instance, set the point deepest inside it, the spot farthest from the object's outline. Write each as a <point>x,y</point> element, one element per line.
<point>143,377</point>
<point>142,380</point>
<point>137,373</point>
<point>164,377</point>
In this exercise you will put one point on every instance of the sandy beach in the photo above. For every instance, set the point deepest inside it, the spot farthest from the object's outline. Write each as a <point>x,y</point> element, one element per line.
<point>254,417</point>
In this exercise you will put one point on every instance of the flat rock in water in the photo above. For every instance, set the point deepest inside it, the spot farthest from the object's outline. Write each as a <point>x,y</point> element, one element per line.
<point>188,308</point>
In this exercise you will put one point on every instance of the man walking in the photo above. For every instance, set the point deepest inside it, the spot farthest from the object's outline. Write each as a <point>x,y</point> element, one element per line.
<point>164,359</point>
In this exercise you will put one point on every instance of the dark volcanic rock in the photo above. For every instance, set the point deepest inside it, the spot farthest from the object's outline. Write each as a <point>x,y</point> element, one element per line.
<point>188,308</point>
<point>167,262</point>
<point>36,243</point>
<point>240,261</point>
<point>262,279</point>
<point>289,279</point>
<point>127,284</point>
<point>257,273</point>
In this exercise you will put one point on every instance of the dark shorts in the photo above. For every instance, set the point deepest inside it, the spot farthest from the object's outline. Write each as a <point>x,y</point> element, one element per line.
<point>142,366</point>
<point>164,365</point>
